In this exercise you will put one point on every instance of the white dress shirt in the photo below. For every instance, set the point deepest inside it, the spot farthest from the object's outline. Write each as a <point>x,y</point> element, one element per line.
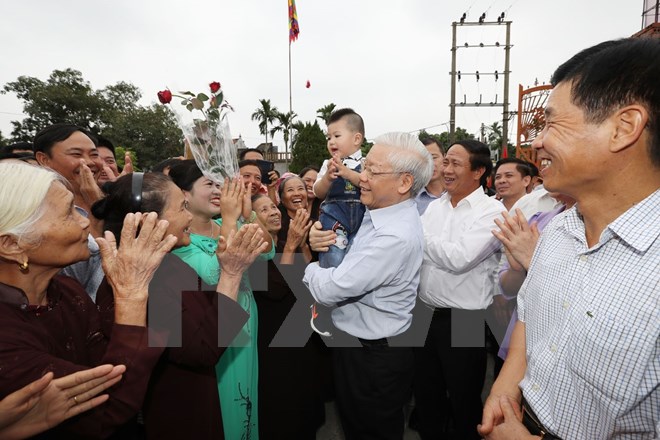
<point>375,286</point>
<point>592,327</point>
<point>460,252</point>
<point>538,200</point>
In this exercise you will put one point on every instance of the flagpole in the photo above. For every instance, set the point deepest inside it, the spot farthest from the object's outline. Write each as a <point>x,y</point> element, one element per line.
<point>290,108</point>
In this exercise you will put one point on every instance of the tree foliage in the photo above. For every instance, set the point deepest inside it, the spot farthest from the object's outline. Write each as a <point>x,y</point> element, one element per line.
<point>324,112</point>
<point>494,140</point>
<point>3,141</point>
<point>285,124</point>
<point>443,138</point>
<point>65,97</point>
<point>309,147</point>
<point>266,114</point>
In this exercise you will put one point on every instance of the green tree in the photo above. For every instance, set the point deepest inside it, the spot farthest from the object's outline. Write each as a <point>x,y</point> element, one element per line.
<point>324,112</point>
<point>151,132</point>
<point>423,134</point>
<point>285,124</point>
<point>4,141</point>
<point>309,146</point>
<point>366,146</point>
<point>459,135</point>
<point>120,153</point>
<point>266,114</point>
<point>494,140</point>
<point>65,97</point>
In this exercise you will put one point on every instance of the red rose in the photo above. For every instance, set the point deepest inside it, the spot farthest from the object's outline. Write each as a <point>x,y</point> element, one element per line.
<point>165,96</point>
<point>215,86</point>
<point>308,85</point>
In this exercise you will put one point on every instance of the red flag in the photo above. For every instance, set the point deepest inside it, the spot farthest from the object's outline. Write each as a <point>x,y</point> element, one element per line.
<point>294,30</point>
<point>505,152</point>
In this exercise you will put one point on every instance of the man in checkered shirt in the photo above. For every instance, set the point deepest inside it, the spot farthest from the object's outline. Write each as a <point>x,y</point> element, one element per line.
<point>585,355</point>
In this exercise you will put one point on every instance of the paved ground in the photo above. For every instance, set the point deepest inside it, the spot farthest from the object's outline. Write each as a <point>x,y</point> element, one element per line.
<point>332,428</point>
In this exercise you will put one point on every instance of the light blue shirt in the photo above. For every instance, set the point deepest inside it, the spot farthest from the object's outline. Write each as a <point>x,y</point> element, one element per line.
<point>375,286</point>
<point>423,199</point>
<point>89,272</point>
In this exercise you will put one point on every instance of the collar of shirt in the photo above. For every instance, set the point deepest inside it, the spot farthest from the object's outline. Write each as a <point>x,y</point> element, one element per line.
<point>635,226</point>
<point>430,194</point>
<point>15,296</point>
<point>470,200</point>
<point>382,216</point>
<point>357,156</point>
<point>353,161</point>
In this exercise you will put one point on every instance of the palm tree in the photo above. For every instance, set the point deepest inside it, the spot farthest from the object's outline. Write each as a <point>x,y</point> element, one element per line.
<point>285,122</point>
<point>325,112</point>
<point>265,115</point>
<point>494,136</point>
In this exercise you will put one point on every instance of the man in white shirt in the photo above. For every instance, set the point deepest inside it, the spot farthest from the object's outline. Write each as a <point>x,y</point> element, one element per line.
<point>457,283</point>
<point>584,358</point>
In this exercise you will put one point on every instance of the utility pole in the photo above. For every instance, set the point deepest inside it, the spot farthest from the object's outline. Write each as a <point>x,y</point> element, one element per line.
<point>456,75</point>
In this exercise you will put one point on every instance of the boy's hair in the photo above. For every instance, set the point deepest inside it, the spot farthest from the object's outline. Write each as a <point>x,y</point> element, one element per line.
<point>353,120</point>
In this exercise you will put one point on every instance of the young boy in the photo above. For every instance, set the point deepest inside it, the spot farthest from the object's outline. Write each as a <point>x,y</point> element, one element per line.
<point>338,183</point>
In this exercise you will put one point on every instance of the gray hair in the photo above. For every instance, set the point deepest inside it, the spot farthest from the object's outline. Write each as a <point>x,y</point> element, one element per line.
<point>408,156</point>
<point>23,189</point>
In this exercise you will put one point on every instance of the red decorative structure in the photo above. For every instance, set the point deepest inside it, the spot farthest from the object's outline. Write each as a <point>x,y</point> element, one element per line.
<point>531,119</point>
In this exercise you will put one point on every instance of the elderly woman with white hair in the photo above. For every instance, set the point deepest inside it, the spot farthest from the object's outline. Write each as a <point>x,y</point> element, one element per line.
<point>49,322</point>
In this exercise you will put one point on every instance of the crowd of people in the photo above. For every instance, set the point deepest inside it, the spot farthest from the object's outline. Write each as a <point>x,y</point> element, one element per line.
<point>166,304</point>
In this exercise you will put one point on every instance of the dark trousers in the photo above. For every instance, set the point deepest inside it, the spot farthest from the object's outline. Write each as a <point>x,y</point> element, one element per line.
<point>442,370</point>
<point>372,385</point>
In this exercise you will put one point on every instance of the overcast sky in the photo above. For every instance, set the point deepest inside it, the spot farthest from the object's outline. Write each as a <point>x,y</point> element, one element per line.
<point>387,59</point>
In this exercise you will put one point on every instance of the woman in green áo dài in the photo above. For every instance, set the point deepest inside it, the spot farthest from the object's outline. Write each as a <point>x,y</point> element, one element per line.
<point>237,370</point>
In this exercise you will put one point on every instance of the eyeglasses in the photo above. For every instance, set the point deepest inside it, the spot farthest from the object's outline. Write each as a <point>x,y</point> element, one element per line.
<point>370,174</point>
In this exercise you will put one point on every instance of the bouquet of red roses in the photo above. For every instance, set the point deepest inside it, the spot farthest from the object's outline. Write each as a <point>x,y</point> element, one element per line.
<point>206,130</point>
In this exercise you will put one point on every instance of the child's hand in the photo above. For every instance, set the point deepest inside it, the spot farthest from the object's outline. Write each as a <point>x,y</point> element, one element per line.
<point>332,172</point>
<point>341,169</point>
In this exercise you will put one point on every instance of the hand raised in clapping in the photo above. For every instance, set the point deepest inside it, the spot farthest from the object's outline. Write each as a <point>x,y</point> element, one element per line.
<point>519,239</point>
<point>232,199</point>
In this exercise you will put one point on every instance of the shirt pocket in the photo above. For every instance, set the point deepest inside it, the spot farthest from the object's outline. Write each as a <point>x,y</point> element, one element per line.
<point>607,357</point>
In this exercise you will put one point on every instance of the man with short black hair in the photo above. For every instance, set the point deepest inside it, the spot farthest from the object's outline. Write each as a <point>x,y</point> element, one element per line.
<point>512,176</point>
<point>457,284</point>
<point>250,154</point>
<point>584,359</point>
<point>71,151</point>
<point>107,154</point>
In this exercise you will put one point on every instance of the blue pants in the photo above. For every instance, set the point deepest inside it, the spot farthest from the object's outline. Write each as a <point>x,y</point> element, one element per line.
<point>344,218</point>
